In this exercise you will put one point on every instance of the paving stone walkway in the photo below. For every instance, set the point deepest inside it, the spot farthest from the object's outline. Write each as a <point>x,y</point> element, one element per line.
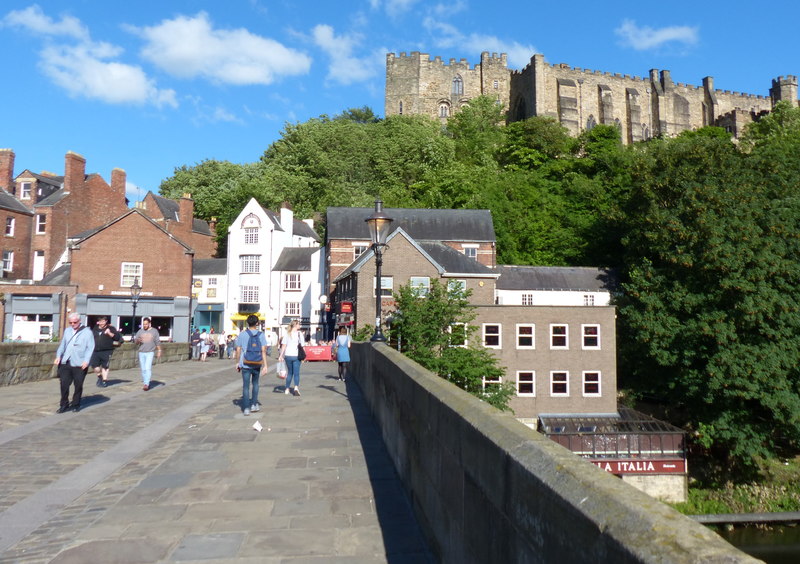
<point>179,474</point>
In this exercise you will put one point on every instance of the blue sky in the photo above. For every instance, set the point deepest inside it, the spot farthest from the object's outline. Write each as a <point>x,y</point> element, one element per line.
<point>150,85</point>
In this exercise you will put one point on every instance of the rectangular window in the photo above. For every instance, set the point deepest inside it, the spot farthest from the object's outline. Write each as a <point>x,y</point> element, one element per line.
<point>457,286</point>
<point>251,235</point>
<point>525,336</point>
<point>8,261</point>
<point>251,264</point>
<point>559,337</point>
<point>526,383</point>
<point>41,223</point>
<point>421,285</point>
<point>211,292</point>
<point>486,382</point>
<point>25,191</point>
<point>248,294</point>
<point>471,252</point>
<point>559,383</point>
<point>292,309</point>
<point>387,286</point>
<point>458,335</point>
<point>359,249</point>
<point>291,282</point>
<point>212,281</point>
<point>130,272</point>
<point>527,299</point>
<point>492,338</point>
<point>10,226</point>
<point>591,384</point>
<point>591,336</point>
<point>588,300</point>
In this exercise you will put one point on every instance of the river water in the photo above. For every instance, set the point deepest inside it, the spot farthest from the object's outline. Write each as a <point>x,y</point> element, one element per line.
<point>778,545</point>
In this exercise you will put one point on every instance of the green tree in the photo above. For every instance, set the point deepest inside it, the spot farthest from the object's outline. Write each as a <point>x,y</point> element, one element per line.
<point>710,318</point>
<point>477,130</point>
<point>431,328</point>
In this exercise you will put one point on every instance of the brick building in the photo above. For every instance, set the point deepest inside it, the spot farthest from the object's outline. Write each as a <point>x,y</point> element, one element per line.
<point>177,218</point>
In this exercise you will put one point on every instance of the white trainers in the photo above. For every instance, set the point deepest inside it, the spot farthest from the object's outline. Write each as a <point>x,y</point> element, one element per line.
<point>296,391</point>
<point>246,411</point>
<point>255,408</point>
<point>286,390</point>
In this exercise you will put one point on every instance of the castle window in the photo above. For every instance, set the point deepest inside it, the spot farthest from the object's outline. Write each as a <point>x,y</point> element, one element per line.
<point>444,110</point>
<point>496,84</point>
<point>590,123</point>
<point>458,86</point>
<point>401,108</point>
<point>645,131</point>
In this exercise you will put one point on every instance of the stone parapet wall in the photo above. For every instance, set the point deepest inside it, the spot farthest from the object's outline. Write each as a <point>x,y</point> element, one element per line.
<point>486,488</point>
<point>31,362</point>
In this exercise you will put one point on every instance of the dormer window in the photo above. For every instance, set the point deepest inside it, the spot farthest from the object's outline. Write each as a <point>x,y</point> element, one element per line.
<point>25,191</point>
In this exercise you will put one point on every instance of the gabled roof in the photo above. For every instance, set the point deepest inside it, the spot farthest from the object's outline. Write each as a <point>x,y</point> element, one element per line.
<point>575,278</point>
<point>302,229</point>
<point>10,202</point>
<point>59,277</point>
<point>201,226</point>
<point>295,259</point>
<point>205,267</point>
<point>446,260</point>
<point>421,224</point>
<point>169,208</point>
<point>57,181</point>
<point>79,238</point>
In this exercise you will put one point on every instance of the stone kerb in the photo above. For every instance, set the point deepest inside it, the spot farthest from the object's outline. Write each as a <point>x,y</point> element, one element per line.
<point>487,488</point>
<point>31,362</point>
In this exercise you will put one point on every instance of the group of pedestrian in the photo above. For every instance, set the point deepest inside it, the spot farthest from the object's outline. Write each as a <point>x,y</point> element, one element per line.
<point>81,348</point>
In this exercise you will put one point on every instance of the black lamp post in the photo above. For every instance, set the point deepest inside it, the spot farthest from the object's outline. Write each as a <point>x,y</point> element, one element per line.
<point>379,224</point>
<point>3,301</point>
<point>136,291</point>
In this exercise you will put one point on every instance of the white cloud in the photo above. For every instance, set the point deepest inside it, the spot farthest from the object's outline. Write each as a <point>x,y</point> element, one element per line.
<point>643,38</point>
<point>393,7</point>
<point>33,19</point>
<point>189,47</point>
<point>344,67</point>
<point>448,37</point>
<point>82,71</point>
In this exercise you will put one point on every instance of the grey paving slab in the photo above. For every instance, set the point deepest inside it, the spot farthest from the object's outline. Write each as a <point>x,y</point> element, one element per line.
<point>179,474</point>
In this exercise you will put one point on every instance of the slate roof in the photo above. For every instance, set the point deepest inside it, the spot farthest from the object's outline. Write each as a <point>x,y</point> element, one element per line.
<point>201,226</point>
<point>168,208</point>
<point>10,202</point>
<point>205,267</point>
<point>295,259</point>
<point>53,198</point>
<point>301,229</point>
<point>421,224</point>
<point>576,278</point>
<point>453,261</point>
<point>59,277</point>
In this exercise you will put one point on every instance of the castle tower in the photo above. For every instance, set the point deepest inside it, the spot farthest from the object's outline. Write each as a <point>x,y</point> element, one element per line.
<point>784,88</point>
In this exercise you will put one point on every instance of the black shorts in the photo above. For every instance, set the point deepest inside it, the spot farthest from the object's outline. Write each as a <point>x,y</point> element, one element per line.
<point>100,358</point>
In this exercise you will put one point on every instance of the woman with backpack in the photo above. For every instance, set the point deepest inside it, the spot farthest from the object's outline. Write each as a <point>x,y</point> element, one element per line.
<point>290,353</point>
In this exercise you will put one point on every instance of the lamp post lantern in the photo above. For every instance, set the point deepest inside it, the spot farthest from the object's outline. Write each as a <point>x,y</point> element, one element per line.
<point>136,291</point>
<point>379,224</point>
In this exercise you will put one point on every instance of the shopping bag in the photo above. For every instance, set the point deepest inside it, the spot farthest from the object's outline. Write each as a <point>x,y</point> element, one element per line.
<point>281,370</point>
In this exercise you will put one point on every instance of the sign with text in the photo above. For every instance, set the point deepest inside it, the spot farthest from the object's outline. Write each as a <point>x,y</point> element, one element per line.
<point>674,466</point>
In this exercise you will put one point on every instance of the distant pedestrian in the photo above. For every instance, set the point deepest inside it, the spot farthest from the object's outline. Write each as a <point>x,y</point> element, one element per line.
<point>203,345</point>
<point>194,340</point>
<point>290,343</point>
<point>231,346</point>
<point>342,348</point>
<point>72,358</point>
<point>221,342</point>
<point>149,341</point>
<point>106,337</point>
<point>251,354</point>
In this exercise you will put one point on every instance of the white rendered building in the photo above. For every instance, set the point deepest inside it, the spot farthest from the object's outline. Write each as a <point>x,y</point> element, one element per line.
<point>275,270</point>
<point>554,286</point>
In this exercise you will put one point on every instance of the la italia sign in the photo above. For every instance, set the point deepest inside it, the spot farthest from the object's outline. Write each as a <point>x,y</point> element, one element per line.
<point>640,466</point>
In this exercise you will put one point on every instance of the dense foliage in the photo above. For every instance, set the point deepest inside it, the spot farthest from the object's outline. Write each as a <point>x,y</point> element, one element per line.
<point>703,231</point>
<point>432,327</point>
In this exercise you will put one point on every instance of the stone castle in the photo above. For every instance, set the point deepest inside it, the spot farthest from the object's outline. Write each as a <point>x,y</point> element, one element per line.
<point>578,98</point>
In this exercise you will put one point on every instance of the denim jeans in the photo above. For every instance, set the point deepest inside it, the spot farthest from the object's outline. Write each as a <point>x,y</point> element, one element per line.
<point>146,363</point>
<point>293,368</point>
<point>249,375</point>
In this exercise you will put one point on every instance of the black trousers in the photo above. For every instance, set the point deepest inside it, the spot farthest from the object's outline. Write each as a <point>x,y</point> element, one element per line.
<point>69,375</point>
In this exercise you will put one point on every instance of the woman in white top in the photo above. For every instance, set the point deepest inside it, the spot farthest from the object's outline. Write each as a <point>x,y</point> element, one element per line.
<point>289,351</point>
<point>342,347</point>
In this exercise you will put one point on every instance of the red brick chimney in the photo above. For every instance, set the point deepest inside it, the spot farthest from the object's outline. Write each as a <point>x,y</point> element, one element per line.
<point>186,210</point>
<point>118,180</point>
<point>74,171</point>
<point>7,170</point>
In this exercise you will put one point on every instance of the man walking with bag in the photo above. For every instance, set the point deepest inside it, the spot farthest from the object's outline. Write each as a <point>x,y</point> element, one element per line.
<point>251,355</point>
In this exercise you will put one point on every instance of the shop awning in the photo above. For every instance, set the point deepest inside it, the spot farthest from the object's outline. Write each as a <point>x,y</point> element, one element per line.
<point>210,307</point>
<point>244,316</point>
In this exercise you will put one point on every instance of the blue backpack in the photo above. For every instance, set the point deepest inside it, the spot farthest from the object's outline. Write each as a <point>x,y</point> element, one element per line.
<point>252,354</point>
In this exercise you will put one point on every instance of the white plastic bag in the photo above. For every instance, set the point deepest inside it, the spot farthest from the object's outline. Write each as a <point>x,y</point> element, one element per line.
<point>281,370</point>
